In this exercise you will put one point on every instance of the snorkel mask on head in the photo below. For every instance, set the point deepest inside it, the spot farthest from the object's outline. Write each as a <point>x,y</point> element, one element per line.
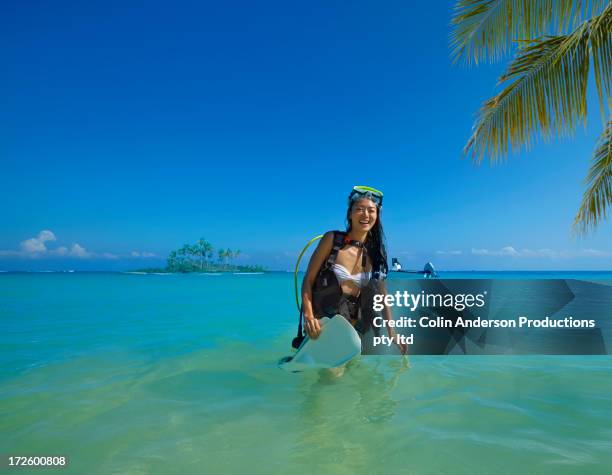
<point>359,192</point>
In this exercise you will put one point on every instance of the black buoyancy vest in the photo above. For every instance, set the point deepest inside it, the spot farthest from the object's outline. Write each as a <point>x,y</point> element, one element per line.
<point>326,290</point>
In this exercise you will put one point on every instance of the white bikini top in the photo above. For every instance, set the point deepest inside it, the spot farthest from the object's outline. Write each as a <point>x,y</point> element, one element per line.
<point>342,274</point>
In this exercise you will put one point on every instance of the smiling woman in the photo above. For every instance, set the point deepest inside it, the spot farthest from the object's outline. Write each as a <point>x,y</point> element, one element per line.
<point>348,267</point>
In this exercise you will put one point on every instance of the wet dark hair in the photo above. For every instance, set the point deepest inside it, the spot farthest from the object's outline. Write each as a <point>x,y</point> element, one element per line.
<point>375,243</point>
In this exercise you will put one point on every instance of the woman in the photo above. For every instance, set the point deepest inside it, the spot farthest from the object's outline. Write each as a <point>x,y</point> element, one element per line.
<point>345,264</point>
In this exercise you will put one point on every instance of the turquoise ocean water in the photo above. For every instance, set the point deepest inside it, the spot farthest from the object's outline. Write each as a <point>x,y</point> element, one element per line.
<point>138,374</point>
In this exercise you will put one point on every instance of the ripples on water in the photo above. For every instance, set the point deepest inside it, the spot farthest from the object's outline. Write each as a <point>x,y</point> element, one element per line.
<point>178,375</point>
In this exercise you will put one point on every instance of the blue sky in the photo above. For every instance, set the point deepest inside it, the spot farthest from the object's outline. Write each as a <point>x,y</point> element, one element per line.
<point>130,128</point>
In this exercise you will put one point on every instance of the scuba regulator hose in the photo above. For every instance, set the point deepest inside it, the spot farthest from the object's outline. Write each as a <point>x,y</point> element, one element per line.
<point>297,265</point>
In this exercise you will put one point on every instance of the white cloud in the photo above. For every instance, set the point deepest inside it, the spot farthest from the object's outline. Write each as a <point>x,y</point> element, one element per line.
<point>504,251</point>
<point>61,251</point>
<point>510,251</point>
<point>539,253</point>
<point>76,250</point>
<point>46,235</point>
<point>36,247</point>
<point>37,244</point>
<point>585,253</point>
<point>79,251</point>
<point>594,252</point>
<point>142,254</point>
<point>449,253</point>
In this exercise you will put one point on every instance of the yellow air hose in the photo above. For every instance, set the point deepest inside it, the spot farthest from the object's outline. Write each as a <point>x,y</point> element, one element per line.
<point>297,265</point>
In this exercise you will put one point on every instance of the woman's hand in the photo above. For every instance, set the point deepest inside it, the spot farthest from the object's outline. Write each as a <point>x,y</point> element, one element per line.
<point>401,345</point>
<point>312,327</point>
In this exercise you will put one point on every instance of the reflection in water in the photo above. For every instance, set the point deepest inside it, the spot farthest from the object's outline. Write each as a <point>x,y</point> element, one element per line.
<point>337,412</point>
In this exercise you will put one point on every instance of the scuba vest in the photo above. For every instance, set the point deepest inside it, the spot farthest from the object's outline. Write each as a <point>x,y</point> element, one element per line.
<point>327,295</point>
<point>326,290</point>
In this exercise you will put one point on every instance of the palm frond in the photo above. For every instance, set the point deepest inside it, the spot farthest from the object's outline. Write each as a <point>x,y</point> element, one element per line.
<point>598,196</point>
<point>546,94</point>
<point>601,50</point>
<point>485,29</point>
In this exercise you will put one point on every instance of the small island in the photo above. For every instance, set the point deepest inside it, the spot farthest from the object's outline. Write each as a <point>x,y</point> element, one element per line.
<point>199,257</point>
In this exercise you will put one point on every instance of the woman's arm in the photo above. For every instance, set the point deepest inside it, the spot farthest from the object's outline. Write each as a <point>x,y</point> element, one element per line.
<point>403,347</point>
<point>322,252</point>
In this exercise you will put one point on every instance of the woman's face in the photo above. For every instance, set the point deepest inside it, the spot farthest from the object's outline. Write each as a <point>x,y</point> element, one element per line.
<point>363,214</point>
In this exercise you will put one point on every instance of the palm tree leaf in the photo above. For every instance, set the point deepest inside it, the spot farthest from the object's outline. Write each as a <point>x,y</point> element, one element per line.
<point>485,29</point>
<point>601,50</point>
<point>598,196</point>
<point>547,93</point>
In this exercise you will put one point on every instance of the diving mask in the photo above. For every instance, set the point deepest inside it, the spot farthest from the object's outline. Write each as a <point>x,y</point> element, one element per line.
<point>368,192</point>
